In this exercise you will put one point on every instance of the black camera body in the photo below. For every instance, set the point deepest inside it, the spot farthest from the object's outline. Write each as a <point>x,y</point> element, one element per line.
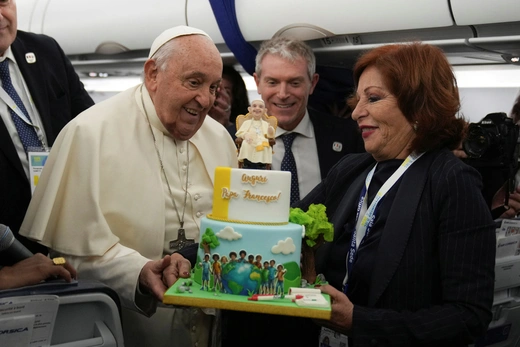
<point>493,142</point>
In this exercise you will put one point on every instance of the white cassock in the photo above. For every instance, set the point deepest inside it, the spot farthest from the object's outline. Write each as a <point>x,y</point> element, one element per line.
<point>102,202</point>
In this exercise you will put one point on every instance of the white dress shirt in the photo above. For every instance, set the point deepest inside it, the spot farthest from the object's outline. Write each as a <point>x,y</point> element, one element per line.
<point>21,88</point>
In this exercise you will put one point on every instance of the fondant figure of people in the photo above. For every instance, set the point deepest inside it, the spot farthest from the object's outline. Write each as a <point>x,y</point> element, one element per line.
<point>205,272</point>
<point>217,271</point>
<point>242,255</point>
<point>272,276</point>
<point>258,261</point>
<point>264,289</point>
<point>255,150</point>
<point>224,262</point>
<point>232,257</point>
<point>251,259</point>
<point>279,280</point>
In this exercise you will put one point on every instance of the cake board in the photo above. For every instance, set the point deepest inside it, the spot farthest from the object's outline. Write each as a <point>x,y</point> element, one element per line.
<point>278,306</point>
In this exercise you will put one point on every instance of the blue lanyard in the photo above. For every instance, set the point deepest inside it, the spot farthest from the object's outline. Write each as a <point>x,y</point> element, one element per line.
<point>368,214</point>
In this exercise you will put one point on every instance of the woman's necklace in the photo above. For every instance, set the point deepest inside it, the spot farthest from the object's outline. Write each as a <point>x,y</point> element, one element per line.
<point>181,236</point>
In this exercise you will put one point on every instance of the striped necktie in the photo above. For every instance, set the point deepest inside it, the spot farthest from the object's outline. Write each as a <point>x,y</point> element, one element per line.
<point>26,132</point>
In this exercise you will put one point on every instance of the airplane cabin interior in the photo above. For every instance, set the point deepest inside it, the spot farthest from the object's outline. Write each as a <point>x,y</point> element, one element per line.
<point>108,42</point>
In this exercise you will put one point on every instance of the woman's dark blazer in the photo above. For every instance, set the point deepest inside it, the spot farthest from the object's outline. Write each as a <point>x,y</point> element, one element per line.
<point>432,282</point>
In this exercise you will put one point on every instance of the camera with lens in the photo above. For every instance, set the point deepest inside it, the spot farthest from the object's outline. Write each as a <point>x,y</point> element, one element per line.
<point>492,147</point>
<point>493,142</point>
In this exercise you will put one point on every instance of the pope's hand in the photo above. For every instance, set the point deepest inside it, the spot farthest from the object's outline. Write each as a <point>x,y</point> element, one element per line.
<point>179,267</point>
<point>158,275</point>
<point>341,310</point>
<point>150,278</point>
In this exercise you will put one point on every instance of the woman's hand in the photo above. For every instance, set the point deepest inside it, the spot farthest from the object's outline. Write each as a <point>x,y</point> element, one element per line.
<point>341,310</point>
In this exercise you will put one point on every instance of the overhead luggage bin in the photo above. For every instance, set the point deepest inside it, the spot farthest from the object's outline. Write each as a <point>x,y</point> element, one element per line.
<point>471,12</point>
<point>104,33</point>
<point>261,19</point>
<point>99,26</point>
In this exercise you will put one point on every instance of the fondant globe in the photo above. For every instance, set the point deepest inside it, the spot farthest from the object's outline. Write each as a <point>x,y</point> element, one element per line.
<point>241,278</point>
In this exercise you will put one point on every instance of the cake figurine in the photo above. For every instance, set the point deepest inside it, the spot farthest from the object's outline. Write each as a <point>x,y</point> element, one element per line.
<point>217,273</point>
<point>255,137</point>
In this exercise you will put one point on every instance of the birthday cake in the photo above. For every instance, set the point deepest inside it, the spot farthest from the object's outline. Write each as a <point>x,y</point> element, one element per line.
<point>247,245</point>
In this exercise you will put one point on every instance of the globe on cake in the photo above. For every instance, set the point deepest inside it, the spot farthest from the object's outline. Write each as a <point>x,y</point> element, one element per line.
<point>257,249</point>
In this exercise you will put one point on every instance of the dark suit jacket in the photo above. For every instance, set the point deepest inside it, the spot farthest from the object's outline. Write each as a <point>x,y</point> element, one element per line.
<point>432,282</point>
<point>59,96</point>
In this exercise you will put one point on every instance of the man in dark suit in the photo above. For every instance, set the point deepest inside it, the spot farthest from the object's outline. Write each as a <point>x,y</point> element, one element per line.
<point>285,77</point>
<point>52,94</point>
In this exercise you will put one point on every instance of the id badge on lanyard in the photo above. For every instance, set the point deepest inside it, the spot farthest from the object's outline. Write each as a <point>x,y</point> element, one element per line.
<point>36,162</point>
<point>36,156</point>
<point>366,216</point>
<point>331,338</point>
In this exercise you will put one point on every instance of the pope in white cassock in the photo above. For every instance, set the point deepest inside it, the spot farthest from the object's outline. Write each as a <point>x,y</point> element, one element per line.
<point>126,178</point>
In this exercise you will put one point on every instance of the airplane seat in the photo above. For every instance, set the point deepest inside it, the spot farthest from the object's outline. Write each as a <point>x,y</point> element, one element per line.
<point>88,313</point>
<point>504,329</point>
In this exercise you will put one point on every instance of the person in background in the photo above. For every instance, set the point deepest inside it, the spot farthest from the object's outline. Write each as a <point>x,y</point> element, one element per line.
<point>45,82</point>
<point>493,178</point>
<point>332,90</point>
<point>232,99</point>
<point>285,77</point>
<point>514,197</point>
<point>221,109</point>
<point>146,158</point>
<point>421,272</point>
<point>233,82</point>
<point>34,270</point>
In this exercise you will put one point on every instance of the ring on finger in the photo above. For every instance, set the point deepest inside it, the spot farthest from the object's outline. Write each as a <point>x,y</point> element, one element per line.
<point>59,261</point>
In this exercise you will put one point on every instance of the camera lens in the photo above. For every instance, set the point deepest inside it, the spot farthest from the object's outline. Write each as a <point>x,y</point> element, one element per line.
<point>477,143</point>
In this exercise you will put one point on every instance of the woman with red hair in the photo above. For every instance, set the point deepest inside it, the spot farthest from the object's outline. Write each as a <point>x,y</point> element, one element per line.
<point>412,260</point>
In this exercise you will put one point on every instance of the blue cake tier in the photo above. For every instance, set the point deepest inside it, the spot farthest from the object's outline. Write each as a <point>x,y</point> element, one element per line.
<point>278,245</point>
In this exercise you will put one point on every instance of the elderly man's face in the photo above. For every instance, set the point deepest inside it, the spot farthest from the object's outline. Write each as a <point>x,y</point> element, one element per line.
<point>8,24</point>
<point>185,90</point>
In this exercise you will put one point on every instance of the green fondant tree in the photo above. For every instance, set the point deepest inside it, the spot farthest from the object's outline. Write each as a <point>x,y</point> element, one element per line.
<point>209,241</point>
<point>318,229</point>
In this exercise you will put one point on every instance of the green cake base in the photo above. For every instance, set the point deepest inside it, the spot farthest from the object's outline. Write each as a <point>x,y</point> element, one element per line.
<point>203,298</point>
